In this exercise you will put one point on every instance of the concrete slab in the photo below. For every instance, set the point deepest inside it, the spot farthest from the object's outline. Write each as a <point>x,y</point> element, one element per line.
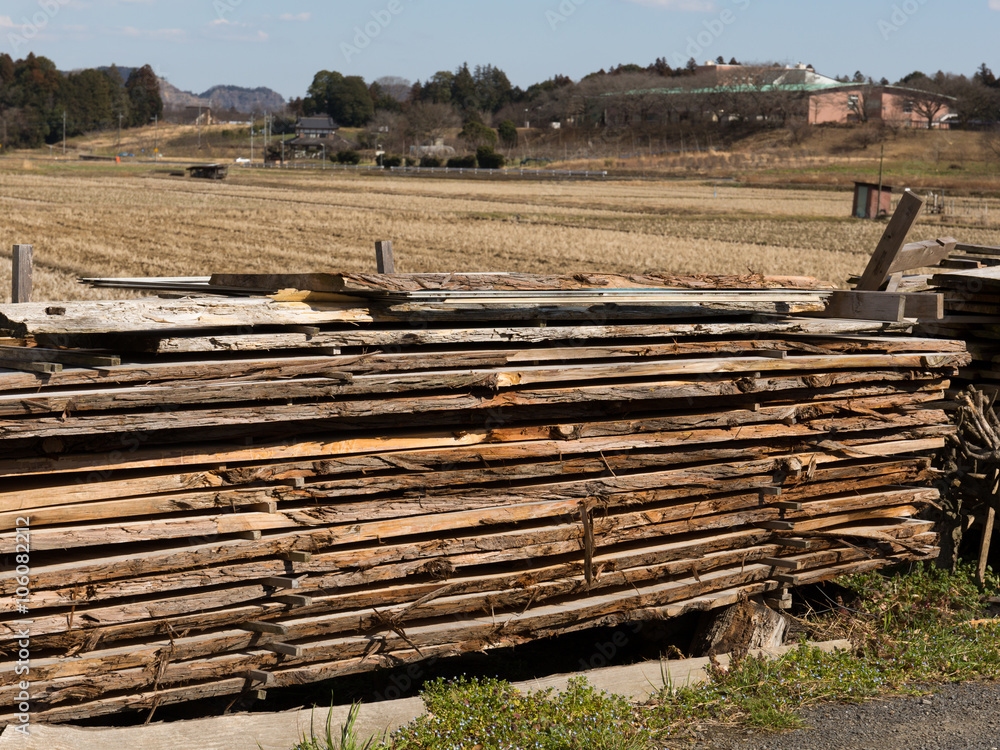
<point>281,731</point>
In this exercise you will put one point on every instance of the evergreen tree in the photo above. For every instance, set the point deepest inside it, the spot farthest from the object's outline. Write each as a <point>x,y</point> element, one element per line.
<point>463,90</point>
<point>145,102</point>
<point>346,99</point>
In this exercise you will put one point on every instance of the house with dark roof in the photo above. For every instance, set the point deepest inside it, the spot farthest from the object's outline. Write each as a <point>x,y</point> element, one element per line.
<point>315,133</point>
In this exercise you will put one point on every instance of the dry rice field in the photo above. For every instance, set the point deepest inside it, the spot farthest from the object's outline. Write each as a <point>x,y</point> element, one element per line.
<point>135,221</point>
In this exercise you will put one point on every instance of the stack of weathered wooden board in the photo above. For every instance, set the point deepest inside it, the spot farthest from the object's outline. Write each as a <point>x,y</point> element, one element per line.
<point>229,493</point>
<point>970,283</point>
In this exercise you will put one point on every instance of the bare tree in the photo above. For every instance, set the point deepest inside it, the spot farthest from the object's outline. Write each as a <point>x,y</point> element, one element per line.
<point>395,87</point>
<point>430,121</point>
<point>861,101</point>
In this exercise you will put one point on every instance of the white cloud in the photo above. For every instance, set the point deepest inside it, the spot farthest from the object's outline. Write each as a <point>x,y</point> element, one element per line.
<point>695,6</point>
<point>6,22</point>
<point>172,35</point>
<point>307,16</point>
<point>994,4</point>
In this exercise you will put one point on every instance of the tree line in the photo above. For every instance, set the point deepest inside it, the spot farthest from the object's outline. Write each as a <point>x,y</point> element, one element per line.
<point>392,110</point>
<point>37,100</point>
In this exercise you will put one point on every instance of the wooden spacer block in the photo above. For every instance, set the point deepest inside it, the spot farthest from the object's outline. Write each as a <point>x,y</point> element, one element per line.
<point>285,649</point>
<point>770,491</point>
<point>296,482</point>
<point>251,536</point>
<point>260,677</point>
<point>268,507</point>
<point>781,562</point>
<point>282,582</point>
<point>788,505</point>
<point>777,525</point>
<point>299,557</point>
<point>795,543</point>
<point>271,628</point>
<point>294,600</point>
<point>785,578</point>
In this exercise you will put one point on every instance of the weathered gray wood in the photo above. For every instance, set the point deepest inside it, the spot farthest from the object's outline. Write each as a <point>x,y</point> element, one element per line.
<point>368,283</point>
<point>384,260</point>
<point>21,274</point>
<point>154,314</point>
<point>892,240</point>
<point>922,254</point>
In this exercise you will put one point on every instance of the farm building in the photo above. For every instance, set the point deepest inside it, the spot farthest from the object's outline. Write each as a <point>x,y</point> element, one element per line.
<point>731,93</point>
<point>897,106</point>
<point>315,134</point>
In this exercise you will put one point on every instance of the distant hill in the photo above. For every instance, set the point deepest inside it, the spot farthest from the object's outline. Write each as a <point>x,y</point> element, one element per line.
<point>219,98</point>
<point>242,99</point>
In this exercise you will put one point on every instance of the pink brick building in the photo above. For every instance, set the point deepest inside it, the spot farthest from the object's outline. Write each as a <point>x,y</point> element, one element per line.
<point>894,105</point>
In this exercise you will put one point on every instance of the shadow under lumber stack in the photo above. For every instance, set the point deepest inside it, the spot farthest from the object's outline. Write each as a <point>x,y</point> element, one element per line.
<point>227,493</point>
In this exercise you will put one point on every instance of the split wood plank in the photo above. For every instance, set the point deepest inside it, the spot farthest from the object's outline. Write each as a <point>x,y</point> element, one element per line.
<point>21,274</point>
<point>892,240</point>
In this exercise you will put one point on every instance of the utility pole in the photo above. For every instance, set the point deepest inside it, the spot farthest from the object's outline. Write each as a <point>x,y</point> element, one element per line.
<point>64,132</point>
<point>199,126</point>
<point>251,138</point>
<point>119,149</point>
<point>156,135</point>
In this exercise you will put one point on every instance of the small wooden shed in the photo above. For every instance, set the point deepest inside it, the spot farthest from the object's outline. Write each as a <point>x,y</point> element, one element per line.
<point>870,202</point>
<point>209,171</point>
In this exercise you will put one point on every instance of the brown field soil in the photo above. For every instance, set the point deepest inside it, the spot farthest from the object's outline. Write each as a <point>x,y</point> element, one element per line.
<point>88,219</point>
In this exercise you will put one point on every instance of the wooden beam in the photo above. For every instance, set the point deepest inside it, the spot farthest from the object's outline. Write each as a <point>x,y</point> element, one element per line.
<point>21,274</point>
<point>271,628</point>
<point>987,540</point>
<point>922,254</point>
<point>383,257</point>
<point>866,305</point>
<point>892,241</point>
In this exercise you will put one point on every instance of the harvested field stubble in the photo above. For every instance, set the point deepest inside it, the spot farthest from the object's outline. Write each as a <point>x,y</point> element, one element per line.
<point>131,222</point>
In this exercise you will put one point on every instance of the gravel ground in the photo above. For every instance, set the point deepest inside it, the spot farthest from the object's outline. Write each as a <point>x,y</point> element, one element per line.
<point>954,717</point>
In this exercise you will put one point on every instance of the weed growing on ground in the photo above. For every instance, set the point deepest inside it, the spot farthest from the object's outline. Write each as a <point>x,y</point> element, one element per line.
<point>908,630</point>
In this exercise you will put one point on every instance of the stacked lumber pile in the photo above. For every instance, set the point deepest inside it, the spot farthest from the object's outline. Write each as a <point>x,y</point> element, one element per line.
<point>970,283</point>
<point>227,493</point>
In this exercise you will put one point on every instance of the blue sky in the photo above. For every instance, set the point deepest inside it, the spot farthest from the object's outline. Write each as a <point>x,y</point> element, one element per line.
<point>196,44</point>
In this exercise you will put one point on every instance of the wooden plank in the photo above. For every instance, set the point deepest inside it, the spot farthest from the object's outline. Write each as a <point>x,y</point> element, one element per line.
<point>922,254</point>
<point>892,240</point>
<point>867,305</point>
<point>21,274</point>
<point>157,314</point>
<point>380,283</point>
<point>25,365</point>
<point>384,260</point>
<point>41,354</point>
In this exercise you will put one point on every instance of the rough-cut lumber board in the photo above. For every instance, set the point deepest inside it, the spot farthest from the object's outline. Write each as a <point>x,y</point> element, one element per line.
<point>207,457</point>
<point>494,334</point>
<point>154,314</point>
<point>922,254</point>
<point>973,280</point>
<point>892,240</point>
<point>449,401</point>
<point>978,249</point>
<point>384,260</point>
<point>357,568</point>
<point>461,466</point>
<point>145,397</point>
<point>40,354</point>
<point>884,305</point>
<point>380,283</point>
<point>21,274</point>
